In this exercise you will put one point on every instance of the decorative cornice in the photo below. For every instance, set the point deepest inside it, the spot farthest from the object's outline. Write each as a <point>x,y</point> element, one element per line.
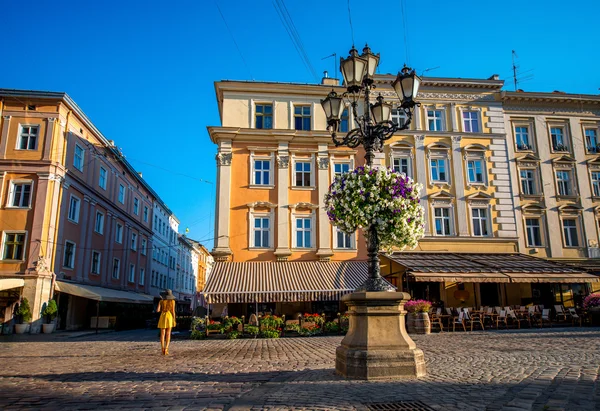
<point>263,204</point>
<point>552,109</point>
<point>302,205</point>
<point>224,159</point>
<point>444,96</point>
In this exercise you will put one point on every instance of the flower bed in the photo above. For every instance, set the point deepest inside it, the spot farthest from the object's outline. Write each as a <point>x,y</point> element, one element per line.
<point>591,301</point>
<point>417,306</point>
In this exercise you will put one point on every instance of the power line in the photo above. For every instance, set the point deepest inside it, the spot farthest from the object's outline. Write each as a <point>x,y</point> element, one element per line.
<point>234,42</point>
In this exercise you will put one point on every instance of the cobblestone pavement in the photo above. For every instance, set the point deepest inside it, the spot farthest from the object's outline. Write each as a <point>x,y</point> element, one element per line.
<point>547,370</point>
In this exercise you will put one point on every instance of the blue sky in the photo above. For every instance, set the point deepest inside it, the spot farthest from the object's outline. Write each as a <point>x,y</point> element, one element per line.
<point>143,71</point>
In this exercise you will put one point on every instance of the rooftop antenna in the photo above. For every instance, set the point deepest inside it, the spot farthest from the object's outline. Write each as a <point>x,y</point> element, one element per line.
<point>516,77</point>
<point>429,69</point>
<point>334,55</point>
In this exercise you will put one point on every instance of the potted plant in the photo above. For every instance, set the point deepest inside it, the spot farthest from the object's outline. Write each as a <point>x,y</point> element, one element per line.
<point>24,315</point>
<point>50,314</point>
<point>418,317</point>
<point>591,303</point>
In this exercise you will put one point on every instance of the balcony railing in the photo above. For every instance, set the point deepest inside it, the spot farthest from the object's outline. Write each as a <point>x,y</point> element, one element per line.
<point>560,147</point>
<point>524,147</point>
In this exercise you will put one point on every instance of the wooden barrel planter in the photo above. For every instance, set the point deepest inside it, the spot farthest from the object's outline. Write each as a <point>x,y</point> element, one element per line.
<point>421,324</point>
<point>410,322</point>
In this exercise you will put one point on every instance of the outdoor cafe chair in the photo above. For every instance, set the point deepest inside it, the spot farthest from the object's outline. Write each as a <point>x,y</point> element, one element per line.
<point>501,318</point>
<point>449,311</point>
<point>436,319</point>
<point>517,319</point>
<point>474,319</point>
<point>560,312</point>
<point>498,309</point>
<point>545,317</point>
<point>575,317</point>
<point>459,320</point>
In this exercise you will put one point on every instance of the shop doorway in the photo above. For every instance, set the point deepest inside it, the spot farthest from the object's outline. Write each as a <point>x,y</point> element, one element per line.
<point>490,294</point>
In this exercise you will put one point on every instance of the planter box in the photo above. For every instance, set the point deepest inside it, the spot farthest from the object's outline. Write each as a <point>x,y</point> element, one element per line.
<point>48,328</point>
<point>21,328</point>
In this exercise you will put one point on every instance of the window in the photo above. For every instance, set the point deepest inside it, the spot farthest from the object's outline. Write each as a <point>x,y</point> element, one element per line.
<point>69,255</point>
<point>302,118</point>
<point>74,205</point>
<point>345,121</point>
<point>343,240</point>
<point>303,232</point>
<point>143,250</point>
<point>28,138</point>
<point>78,157</point>
<point>475,171</point>
<point>119,234</point>
<point>522,138</point>
<point>435,120</point>
<point>155,222</point>
<point>591,140</point>
<point>262,172</point>
<point>442,221</point>
<point>116,268</point>
<point>102,178</point>
<point>595,183</point>
<point>340,168</point>
<point>14,246</point>
<point>303,173</point>
<point>402,165</point>
<point>136,206</point>
<point>471,121</point>
<point>99,226</point>
<point>261,232</point>
<point>558,139</point>
<point>264,116</point>
<point>95,262</point>
<point>20,194</point>
<point>528,182</point>
<point>480,225</point>
<point>563,181</point>
<point>570,231</point>
<point>146,214</point>
<point>438,170</point>
<point>121,194</point>
<point>534,236</point>
<point>131,273</point>
<point>134,241</point>
<point>142,275</point>
<point>399,116</point>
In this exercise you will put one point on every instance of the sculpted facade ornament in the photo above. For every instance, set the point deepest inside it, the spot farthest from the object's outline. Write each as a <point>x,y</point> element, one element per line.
<point>456,139</point>
<point>323,163</point>
<point>283,161</point>
<point>552,109</point>
<point>41,265</point>
<point>443,96</point>
<point>224,159</point>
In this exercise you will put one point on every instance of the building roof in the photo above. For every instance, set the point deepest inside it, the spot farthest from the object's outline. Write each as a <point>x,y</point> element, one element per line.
<point>59,95</point>
<point>487,267</point>
<point>250,282</point>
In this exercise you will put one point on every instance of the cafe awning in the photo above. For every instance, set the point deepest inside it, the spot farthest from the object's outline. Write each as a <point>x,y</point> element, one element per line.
<point>8,283</point>
<point>103,294</point>
<point>487,267</point>
<point>255,282</point>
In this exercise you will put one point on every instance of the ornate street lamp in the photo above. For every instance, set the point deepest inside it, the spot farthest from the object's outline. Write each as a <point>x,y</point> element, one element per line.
<point>373,126</point>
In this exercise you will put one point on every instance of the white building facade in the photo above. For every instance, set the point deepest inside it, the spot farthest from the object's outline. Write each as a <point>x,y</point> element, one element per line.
<point>164,249</point>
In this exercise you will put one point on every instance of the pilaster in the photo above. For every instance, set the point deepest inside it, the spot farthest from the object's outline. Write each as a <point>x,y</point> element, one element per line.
<point>87,234</point>
<point>421,177</point>
<point>324,247</point>
<point>459,183</point>
<point>48,138</point>
<point>453,117</point>
<point>4,135</point>
<point>283,237</point>
<point>108,247</point>
<point>224,157</point>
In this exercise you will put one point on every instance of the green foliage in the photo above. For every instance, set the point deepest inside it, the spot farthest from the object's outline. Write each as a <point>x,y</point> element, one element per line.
<point>309,330</point>
<point>24,311</point>
<point>216,326</point>
<point>269,334</point>
<point>292,327</point>
<point>50,311</point>
<point>198,323</point>
<point>314,318</point>
<point>271,322</point>
<point>252,330</point>
<point>232,335</point>
<point>198,335</point>
<point>331,327</point>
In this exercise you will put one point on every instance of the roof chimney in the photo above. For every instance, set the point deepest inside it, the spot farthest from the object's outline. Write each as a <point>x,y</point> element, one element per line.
<point>329,81</point>
<point>494,77</point>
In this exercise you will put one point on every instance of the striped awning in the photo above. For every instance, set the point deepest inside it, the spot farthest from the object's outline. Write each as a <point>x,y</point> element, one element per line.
<point>487,267</point>
<point>258,282</point>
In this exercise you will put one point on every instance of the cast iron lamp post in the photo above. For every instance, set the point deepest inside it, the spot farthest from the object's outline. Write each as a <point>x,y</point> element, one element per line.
<point>373,127</point>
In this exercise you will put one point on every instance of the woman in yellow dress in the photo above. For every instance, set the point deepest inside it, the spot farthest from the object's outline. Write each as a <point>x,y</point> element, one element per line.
<point>166,308</point>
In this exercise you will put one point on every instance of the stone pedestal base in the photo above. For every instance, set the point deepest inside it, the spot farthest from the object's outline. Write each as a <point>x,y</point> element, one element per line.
<point>377,345</point>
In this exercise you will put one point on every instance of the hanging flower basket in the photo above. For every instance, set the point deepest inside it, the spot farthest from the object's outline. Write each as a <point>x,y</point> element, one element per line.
<point>381,197</point>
